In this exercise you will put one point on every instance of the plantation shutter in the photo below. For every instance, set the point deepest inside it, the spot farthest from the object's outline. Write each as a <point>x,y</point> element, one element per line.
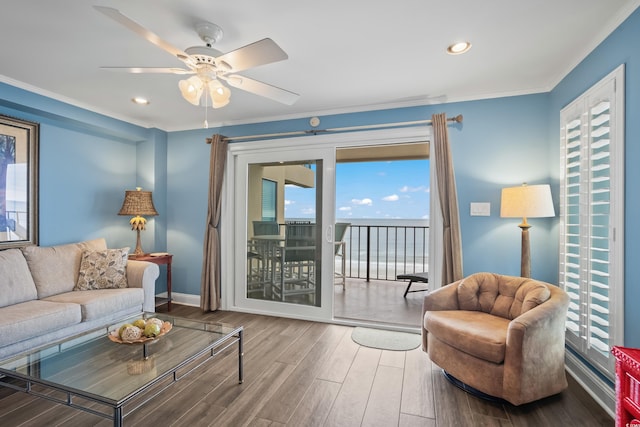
<point>591,219</point>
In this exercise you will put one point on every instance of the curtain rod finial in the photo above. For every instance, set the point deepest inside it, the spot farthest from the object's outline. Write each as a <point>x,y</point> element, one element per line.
<point>457,119</point>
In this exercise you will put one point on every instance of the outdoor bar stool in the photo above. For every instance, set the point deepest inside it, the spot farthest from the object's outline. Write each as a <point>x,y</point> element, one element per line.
<point>415,277</point>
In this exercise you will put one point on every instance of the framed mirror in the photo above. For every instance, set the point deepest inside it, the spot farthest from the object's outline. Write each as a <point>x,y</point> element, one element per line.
<point>18,182</point>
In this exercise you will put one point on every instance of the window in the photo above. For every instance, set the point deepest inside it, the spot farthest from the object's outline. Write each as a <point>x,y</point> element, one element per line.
<point>591,219</point>
<point>268,200</point>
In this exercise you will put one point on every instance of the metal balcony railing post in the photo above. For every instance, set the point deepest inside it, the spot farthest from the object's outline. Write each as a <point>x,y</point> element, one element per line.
<point>368,252</point>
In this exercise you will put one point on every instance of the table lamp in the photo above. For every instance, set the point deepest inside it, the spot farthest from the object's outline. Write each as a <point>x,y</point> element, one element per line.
<point>526,201</point>
<point>138,203</point>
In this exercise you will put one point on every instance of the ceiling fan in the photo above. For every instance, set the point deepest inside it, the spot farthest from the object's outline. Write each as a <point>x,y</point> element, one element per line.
<point>209,67</point>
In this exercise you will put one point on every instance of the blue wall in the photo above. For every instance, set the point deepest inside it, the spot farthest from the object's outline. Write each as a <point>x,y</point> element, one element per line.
<point>87,160</point>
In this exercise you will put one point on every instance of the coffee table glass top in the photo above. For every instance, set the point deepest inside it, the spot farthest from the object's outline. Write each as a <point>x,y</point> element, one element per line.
<point>92,364</point>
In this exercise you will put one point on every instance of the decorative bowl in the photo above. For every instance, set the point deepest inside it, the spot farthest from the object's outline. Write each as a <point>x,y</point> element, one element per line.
<point>115,337</point>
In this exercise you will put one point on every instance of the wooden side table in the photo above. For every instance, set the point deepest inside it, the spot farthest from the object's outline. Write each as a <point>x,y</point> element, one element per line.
<point>160,259</point>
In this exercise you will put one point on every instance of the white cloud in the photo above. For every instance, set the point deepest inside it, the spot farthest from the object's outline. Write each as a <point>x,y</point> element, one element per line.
<point>344,208</point>
<point>308,211</point>
<point>391,198</point>
<point>407,189</point>
<point>365,201</point>
<point>288,202</point>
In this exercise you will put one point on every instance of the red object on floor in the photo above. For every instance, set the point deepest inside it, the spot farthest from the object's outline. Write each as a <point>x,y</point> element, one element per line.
<point>627,386</point>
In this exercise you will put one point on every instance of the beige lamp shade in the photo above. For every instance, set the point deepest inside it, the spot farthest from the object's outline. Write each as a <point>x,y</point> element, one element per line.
<point>138,202</point>
<point>527,201</point>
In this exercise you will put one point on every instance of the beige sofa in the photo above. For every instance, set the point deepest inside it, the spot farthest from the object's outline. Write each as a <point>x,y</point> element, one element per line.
<point>502,335</point>
<point>46,294</point>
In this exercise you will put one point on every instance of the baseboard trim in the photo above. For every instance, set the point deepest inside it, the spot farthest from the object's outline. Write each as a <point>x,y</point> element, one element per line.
<point>598,389</point>
<point>184,299</point>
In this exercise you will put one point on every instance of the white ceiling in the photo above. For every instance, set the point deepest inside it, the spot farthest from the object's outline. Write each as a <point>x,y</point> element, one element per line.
<point>344,55</point>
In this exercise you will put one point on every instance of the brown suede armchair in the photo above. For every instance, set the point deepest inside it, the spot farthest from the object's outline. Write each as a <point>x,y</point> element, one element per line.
<point>501,335</point>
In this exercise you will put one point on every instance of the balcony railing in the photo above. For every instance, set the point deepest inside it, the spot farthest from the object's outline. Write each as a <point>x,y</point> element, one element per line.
<point>382,252</point>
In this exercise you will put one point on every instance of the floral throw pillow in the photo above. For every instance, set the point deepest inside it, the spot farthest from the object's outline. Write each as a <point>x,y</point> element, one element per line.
<point>105,269</point>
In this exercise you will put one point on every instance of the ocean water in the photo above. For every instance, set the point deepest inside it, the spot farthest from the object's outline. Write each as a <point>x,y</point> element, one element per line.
<point>395,246</point>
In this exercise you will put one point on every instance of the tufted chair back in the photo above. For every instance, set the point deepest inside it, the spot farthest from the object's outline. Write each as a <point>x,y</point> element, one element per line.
<point>504,296</point>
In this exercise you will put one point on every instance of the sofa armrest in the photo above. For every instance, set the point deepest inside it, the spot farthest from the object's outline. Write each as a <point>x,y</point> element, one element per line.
<point>535,352</point>
<point>143,274</point>
<point>444,298</point>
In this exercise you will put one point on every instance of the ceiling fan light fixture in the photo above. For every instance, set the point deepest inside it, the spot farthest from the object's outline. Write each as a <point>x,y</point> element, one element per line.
<point>458,48</point>
<point>210,64</point>
<point>219,93</point>
<point>191,89</point>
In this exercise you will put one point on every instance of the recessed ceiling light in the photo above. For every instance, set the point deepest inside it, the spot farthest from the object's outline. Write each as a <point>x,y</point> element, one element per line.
<point>140,100</point>
<point>458,48</point>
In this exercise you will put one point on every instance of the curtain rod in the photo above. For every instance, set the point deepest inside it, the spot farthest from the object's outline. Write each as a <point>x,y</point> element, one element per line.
<point>456,119</point>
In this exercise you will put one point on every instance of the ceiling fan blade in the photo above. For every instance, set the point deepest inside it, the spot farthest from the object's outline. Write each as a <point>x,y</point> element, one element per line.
<point>143,32</point>
<point>150,70</point>
<point>263,89</point>
<point>262,52</point>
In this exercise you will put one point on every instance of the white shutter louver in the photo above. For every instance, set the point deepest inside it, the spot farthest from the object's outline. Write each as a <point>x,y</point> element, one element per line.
<point>591,206</point>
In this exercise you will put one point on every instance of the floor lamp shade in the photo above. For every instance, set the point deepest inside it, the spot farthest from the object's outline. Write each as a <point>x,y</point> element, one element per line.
<point>138,203</point>
<point>526,201</point>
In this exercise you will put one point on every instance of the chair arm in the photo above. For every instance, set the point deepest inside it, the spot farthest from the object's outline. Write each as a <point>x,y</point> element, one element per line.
<point>535,350</point>
<point>143,274</point>
<point>444,298</point>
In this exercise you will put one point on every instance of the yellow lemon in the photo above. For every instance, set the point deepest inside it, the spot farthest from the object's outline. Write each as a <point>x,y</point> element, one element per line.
<point>140,323</point>
<point>151,330</point>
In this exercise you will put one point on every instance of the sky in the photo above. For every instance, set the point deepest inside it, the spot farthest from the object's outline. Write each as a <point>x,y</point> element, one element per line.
<point>396,189</point>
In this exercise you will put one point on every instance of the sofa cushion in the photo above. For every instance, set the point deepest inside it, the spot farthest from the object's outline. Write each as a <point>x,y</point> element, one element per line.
<point>30,319</point>
<point>55,268</point>
<point>100,303</point>
<point>16,283</point>
<point>476,333</point>
<point>105,269</point>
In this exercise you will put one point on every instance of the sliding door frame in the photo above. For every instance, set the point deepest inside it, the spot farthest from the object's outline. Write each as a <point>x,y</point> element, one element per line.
<point>233,239</point>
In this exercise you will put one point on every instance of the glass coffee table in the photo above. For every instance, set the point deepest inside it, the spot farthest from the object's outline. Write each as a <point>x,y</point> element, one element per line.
<point>109,379</point>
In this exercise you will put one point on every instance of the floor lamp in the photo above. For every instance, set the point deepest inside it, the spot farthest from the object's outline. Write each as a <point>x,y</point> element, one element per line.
<point>526,201</point>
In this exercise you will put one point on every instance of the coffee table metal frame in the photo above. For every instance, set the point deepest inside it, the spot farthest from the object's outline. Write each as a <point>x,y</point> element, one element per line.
<point>210,351</point>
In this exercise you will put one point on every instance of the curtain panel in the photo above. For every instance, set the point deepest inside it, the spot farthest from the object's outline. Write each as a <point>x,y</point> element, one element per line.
<point>448,196</point>
<point>211,282</point>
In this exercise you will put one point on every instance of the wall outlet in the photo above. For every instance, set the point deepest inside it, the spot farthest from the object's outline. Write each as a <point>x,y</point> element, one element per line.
<point>480,209</point>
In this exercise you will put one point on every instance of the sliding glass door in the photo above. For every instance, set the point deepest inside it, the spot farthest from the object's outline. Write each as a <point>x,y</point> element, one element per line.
<point>284,229</point>
<point>278,220</point>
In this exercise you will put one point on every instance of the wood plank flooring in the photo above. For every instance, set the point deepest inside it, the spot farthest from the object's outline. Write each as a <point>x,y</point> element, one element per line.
<point>300,373</point>
<point>379,301</point>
